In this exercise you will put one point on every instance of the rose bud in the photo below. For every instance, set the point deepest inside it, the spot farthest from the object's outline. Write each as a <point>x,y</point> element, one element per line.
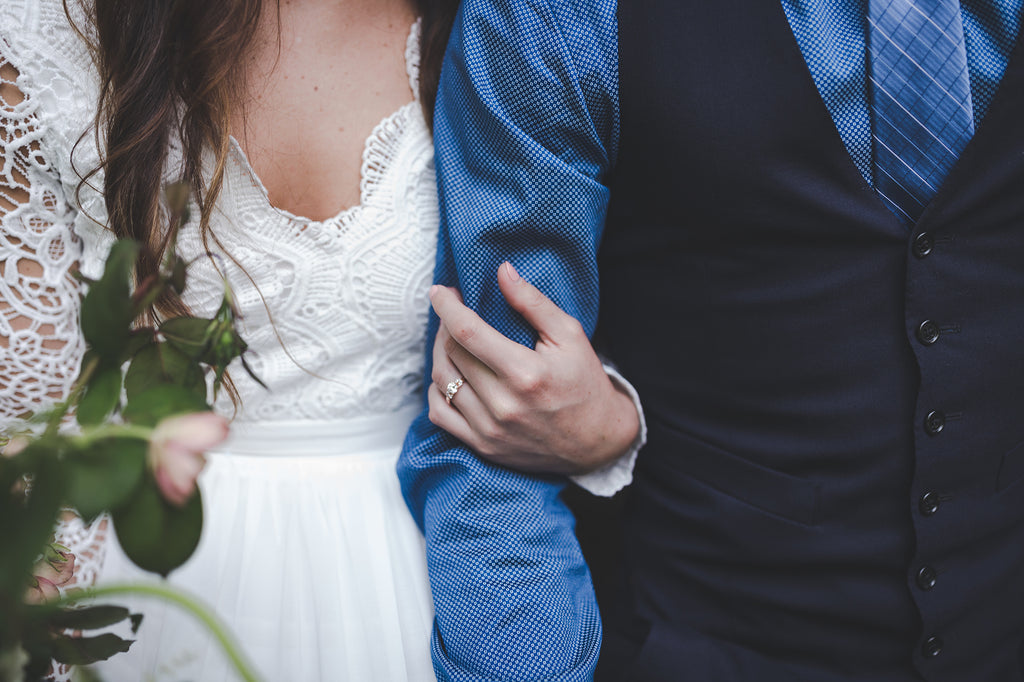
<point>42,591</point>
<point>176,452</point>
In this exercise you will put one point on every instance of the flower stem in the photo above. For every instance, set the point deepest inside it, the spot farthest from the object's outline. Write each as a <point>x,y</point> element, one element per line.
<point>184,601</point>
<point>61,410</point>
<point>109,430</point>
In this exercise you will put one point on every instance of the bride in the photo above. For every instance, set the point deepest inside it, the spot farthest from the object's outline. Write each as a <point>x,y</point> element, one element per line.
<point>304,129</point>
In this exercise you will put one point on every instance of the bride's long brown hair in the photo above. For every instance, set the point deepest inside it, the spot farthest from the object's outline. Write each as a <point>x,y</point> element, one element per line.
<point>168,72</point>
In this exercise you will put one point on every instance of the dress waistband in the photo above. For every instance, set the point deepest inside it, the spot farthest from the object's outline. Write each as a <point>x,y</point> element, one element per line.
<point>302,437</point>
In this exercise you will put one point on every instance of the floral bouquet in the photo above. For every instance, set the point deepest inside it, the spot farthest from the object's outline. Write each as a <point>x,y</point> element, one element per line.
<point>129,440</point>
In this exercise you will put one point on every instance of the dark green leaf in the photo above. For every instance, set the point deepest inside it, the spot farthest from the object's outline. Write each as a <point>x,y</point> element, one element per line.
<point>88,618</point>
<point>28,522</point>
<point>101,397</point>
<point>139,339</point>
<point>190,335</point>
<point>85,650</point>
<point>156,535</point>
<point>103,476</point>
<point>107,309</point>
<point>178,275</point>
<point>251,373</point>
<point>177,194</point>
<point>37,667</point>
<point>152,405</point>
<point>163,364</point>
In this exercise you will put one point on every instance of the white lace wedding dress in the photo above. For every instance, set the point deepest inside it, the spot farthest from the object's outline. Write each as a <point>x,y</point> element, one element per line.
<point>307,551</point>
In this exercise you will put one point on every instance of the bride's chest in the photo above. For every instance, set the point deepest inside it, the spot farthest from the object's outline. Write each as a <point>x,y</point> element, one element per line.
<point>361,275</point>
<point>319,81</point>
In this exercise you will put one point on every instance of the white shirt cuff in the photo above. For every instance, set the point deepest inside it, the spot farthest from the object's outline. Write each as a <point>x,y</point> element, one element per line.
<point>616,475</point>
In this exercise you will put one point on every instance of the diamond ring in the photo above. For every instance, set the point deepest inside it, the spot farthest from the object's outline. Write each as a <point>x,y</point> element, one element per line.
<point>452,388</point>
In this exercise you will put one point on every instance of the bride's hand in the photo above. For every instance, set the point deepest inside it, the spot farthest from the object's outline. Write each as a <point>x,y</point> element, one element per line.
<point>551,409</point>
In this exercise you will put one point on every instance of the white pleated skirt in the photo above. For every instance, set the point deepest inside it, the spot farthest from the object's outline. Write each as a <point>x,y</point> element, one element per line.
<point>308,553</point>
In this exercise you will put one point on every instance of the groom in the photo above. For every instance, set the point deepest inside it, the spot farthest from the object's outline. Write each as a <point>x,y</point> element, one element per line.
<point>811,228</point>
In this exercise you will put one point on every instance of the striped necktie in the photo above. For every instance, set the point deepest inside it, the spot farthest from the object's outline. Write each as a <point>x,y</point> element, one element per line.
<point>920,99</point>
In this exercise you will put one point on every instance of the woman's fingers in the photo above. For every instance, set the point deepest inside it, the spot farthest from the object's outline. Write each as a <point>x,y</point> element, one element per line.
<point>447,417</point>
<point>465,416</point>
<point>551,408</point>
<point>452,362</point>
<point>467,329</point>
<point>552,323</point>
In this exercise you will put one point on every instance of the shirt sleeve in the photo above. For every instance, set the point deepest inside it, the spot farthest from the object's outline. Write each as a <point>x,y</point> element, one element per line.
<point>525,129</point>
<point>616,475</point>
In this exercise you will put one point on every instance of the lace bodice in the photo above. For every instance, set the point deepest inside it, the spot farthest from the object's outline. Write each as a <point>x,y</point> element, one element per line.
<point>334,311</point>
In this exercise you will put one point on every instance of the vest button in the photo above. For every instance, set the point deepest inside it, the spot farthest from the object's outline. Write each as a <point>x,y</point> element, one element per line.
<point>934,422</point>
<point>932,647</point>
<point>926,578</point>
<point>923,244</point>
<point>929,503</point>
<point>928,332</point>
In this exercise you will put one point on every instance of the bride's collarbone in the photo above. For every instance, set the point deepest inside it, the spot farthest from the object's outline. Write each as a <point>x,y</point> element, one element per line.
<point>311,106</point>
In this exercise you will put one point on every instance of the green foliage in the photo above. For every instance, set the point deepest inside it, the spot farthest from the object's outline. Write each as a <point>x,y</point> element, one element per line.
<point>88,618</point>
<point>133,376</point>
<point>156,535</point>
<point>104,474</point>
<point>101,397</point>
<point>108,308</point>
<point>27,519</point>
<point>161,365</point>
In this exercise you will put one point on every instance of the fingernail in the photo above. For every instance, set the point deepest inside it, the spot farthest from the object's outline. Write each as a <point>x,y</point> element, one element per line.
<point>512,272</point>
<point>433,290</point>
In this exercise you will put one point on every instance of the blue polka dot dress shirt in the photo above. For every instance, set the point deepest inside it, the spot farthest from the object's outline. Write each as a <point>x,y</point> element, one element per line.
<point>526,130</point>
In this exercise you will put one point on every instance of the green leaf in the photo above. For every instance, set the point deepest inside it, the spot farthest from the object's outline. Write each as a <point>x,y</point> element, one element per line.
<point>37,666</point>
<point>28,522</point>
<point>85,650</point>
<point>178,275</point>
<point>88,618</point>
<point>252,374</point>
<point>150,406</point>
<point>101,397</point>
<point>156,535</point>
<point>163,364</point>
<point>104,475</point>
<point>107,309</point>
<point>137,340</point>
<point>190,335</point>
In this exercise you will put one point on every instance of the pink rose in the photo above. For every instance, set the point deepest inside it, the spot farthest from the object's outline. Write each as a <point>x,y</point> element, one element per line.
<point>41,591</point>
<point>55,568</point>
<point>176,452</point>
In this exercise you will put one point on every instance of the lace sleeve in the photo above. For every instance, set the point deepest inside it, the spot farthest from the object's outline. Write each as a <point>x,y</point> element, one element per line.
<point>40,345</point>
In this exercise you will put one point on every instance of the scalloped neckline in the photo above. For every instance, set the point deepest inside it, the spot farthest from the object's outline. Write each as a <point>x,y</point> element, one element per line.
<point>375,138</point>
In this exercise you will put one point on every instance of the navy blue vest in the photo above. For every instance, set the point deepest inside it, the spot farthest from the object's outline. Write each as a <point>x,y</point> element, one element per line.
<point>833,487</point>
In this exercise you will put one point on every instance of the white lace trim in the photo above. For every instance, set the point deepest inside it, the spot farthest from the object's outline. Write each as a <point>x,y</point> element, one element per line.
<point>412,57</point>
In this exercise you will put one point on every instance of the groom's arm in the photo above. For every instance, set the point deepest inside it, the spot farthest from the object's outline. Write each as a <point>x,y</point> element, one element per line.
<point>525,129</point>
